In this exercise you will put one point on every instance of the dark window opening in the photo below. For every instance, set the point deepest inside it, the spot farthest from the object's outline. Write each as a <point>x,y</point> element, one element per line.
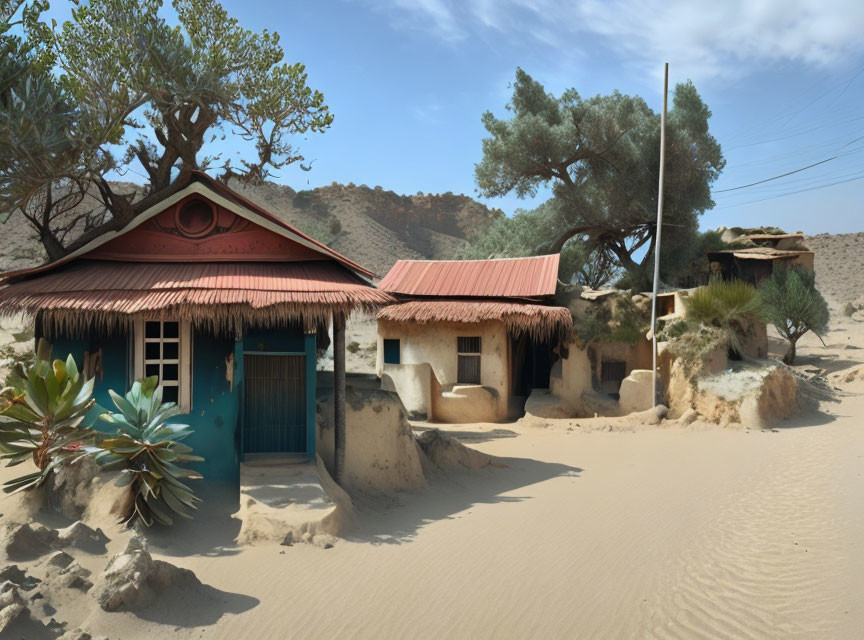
<point>391,351</point>
<point>613,371</point>
<point>468,345</point>
<point>468,360</point>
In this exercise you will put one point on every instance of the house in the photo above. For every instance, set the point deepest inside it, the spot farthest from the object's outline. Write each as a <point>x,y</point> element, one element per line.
<point>754,253</point>
<point>469,339</point>
<point>224,302</point>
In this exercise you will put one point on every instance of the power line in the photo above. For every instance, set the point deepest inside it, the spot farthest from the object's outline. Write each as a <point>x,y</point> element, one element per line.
<point>783,195</point>
<point>782,175</point>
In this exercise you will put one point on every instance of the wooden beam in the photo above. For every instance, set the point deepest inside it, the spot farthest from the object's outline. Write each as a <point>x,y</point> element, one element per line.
<point>339,397</point>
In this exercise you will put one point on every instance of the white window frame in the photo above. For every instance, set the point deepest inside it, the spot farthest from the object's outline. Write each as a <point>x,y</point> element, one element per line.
<point>184,361</point>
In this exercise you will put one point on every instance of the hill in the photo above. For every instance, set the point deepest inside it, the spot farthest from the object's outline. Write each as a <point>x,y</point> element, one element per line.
<point>372,226</point>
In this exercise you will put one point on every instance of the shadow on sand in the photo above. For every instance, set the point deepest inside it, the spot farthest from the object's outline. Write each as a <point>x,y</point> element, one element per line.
<point>399,520</point>
<point>468,435</point>
<point>198,607</point>
<point>212,531</point>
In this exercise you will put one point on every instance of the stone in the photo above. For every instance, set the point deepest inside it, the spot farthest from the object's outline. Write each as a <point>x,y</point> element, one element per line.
<point>849,309</point>
<point>324,540</point>
<point>28,541</point>
<point>76,569</point>
<point>75,581</point>
<point>288,539</point>
<point>652,416</point>
<point>133,579</point>
<point>80,536</point>
<point>76,634</point>
<point>12,573</point>
<point>10,614</point>
<point>10,596</point>
<point>56,626</point>
<point>688,417</point>
<point>59,559</point>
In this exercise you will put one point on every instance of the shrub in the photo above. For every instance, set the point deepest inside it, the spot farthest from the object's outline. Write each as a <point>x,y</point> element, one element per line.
<point>694,346</point>
<point>614,319</point>
<point>673,329</point>
<point>794,305</point>
<point>147,448</point>
<point>42,415</point>
<point>731,306</point>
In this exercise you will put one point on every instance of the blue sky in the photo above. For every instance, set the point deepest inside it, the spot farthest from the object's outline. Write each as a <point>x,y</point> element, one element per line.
<point>408,81</point>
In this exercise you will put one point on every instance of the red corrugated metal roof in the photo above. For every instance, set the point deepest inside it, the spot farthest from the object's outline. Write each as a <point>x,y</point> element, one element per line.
<point>134,287</point>
<point>503,278</point>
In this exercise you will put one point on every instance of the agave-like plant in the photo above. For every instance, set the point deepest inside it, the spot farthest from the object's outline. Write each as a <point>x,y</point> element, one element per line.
<point>147,447</point>
<point>731,306</point>
<point>42,415</point>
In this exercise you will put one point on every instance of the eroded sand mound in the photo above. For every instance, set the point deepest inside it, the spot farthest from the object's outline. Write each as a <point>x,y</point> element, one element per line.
<point>851,379</point>
<point>448,454</point>
<point>751,395</point>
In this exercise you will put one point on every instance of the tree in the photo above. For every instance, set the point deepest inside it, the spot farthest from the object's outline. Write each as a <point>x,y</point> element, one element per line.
<point>118,89</point>
<point>600,157</point>
<point>522,234</point>
<point>794,305</point>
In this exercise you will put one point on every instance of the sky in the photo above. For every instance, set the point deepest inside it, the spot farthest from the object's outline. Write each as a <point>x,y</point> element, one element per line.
<point>408,81</point>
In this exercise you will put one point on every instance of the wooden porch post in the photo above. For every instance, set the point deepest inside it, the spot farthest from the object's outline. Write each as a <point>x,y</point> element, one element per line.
<point>339,396</point>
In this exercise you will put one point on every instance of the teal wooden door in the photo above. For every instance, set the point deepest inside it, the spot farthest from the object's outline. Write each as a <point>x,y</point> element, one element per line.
<point>274,404</point>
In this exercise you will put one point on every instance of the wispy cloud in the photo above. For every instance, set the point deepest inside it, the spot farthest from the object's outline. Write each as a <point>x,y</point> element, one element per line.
<point>703,39</point>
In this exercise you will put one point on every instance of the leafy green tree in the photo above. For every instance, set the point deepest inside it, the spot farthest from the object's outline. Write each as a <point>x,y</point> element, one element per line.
<point>42,417</point>
<point>522,234</point>
<point>147,450</point>
<point>794,305</point>
<point>117,89</point>
<point>600,158</point>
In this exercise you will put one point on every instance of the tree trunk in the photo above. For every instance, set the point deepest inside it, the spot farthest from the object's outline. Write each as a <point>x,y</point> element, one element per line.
<point>789,358</point>
<point>53,248</point>
<point>339,398</point>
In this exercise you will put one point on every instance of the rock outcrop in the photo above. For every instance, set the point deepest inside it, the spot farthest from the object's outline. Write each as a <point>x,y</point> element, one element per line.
<point>755,396</point>
<point>133,579</point>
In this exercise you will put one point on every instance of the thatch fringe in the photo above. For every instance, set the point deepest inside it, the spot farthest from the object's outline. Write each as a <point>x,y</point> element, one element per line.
<point>220,311</point>
<point>537,321</point>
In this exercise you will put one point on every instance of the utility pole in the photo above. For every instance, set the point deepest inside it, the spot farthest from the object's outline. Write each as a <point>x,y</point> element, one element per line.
<point>659,232</point>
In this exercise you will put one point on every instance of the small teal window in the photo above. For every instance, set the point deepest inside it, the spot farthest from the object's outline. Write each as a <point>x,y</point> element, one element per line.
<point>391,351</point>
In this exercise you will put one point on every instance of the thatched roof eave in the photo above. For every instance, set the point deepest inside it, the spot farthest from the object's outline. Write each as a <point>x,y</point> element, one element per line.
<point>540,322</point>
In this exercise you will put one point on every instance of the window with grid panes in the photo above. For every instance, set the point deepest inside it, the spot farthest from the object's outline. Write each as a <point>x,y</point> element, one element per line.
<point>162,356</point>
<point>163,351</point>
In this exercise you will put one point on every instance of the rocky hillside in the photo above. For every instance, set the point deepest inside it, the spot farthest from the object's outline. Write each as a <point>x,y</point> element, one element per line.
<point>373,227</point>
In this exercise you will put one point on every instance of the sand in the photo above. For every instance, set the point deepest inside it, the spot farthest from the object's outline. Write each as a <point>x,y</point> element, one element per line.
<point>666,532</point>
<point>588,532</point>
